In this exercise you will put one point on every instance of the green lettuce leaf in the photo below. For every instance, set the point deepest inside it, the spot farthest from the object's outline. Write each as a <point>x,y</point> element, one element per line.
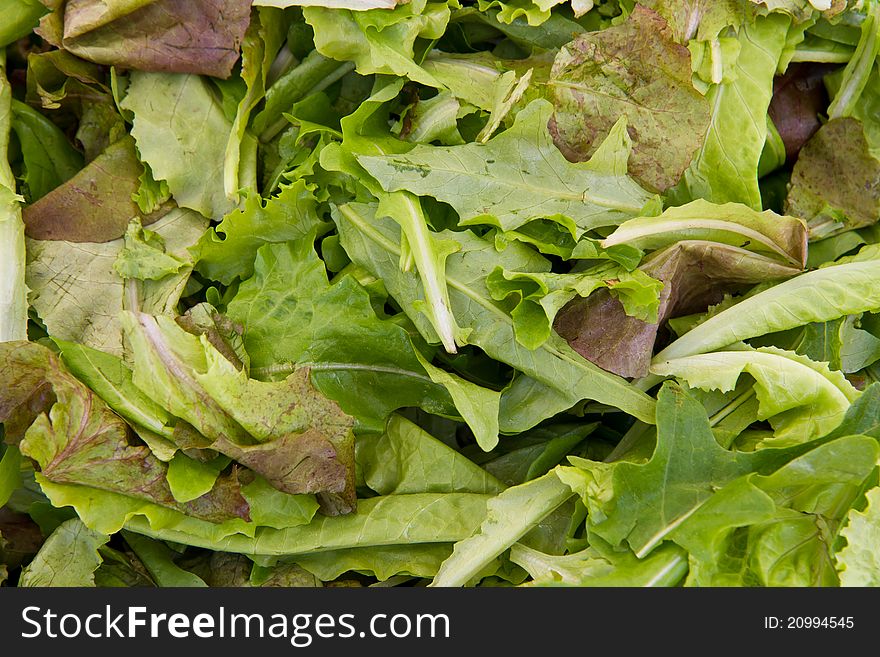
<point>406,459</point>
<point>644,503</point>
<point>261,44</point>
<point>726,167</point>
<point>179,144</point>
<point>143,255</point>
<point>429,255</point>
<point>229,249</point>
<point>111,379</point>
<point>817,296</point>
<point>158,559</point>
<point>76,439</point>
<point>79,293</point>
<point>285,431</point>
<point>534,12</point>
<point>49,159</point>
<point>801,398</point>
<point>69,557</point>
<point>13,292</point>
<point>383,563</point>
<point>509,517</point>
<point>10,473</point>
<point>293,317</point>
<point>857,561</point>
<point>19,18</point>
<point>590,567</point>
<point>375,244</point>
<point>516,177</point>
<point>418,519</point>
<point>734,224</point>
<point>379,40</point>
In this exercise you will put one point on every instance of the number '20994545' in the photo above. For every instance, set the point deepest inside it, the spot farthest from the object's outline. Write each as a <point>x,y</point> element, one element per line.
<point>809,622</point>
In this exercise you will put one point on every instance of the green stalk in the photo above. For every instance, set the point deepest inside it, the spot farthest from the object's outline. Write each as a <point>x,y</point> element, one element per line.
<point>13,292</point>
<point>314,74</point>
<point>856,73</point>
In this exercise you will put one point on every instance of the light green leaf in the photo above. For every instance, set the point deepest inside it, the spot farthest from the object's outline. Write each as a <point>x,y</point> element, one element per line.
<point>407,459</point>
<point>186,145</point>
<point>158,560</point>
<point>49,158</point>
<point>708,533</point>
<point>378,40</point>
<point>375,244</point>
<point>427,518</point>
<point>664,567</point>
<point>13,292</point>
<point>858,562</point>
<point>111,379</point>
<point>143,255</point>
<point>817,296</point>
<point>19,18</point>
<point>730,223</point>
<point>418,560</point>
<point>514,178</point>
<point>10,472</point>
<point>478,406</point>
<point>534,12</point>
<point>74,438</point>
<point>189,479</point>
<point>262,41</point>
<point>229,249</point>
<point>69,557</point>
<point>79,294</point>
<point>293,317</point>
<point>287,432</point>
<point>429,254</point>
<point>509,517</point>
<point>726,168</point>
<point>802,399</point>
<point>644,503</point>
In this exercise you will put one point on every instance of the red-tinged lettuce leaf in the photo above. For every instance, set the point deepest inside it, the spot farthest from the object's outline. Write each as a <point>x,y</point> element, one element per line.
<point>75,94</point>
<point>20,538</point>
<point>199,36</point>
<point>285,431</point>
<point>835,184</point>
<point>74,438</point>
<point>700,19</point>
<point>798,98</point>
<point>96,204</point>
<point>802,10</point>
<point>695,274</point>
<point>636,70</point>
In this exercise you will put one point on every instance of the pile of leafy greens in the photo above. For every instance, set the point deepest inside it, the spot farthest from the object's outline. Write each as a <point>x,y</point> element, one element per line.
<point>446,292</point>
